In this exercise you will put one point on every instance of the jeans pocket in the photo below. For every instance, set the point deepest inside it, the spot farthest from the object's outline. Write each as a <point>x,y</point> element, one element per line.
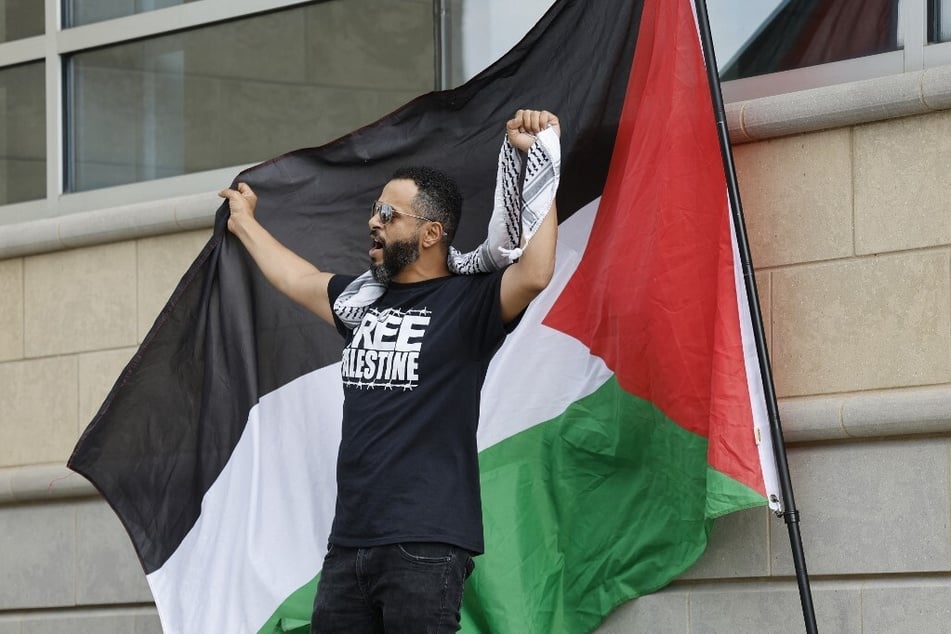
<point>426,552</point>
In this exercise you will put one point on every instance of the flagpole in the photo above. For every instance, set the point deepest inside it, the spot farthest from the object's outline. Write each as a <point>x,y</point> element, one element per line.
<point>790,514</point>
<point>442,32</point>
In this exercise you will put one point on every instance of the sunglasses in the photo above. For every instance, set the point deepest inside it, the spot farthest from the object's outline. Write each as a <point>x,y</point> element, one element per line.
<point>386,212</point>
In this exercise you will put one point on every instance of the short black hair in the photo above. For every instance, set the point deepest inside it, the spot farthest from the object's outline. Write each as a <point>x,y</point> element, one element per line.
<point>438,198</point>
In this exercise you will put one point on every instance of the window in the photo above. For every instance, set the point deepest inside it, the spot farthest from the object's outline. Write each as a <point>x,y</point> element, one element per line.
<point>22,133</point>
<point>20,19</point>
<point>939,21</point>
<point>798,33</point>
<point>79,12</point>
<point>242,91</point>
<point>770,47</point>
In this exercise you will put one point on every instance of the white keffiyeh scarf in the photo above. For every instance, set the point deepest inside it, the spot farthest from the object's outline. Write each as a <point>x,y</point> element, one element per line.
<point>516,216</point>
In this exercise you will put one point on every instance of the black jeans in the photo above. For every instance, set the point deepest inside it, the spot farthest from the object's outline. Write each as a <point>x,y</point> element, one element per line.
<point>398,588</point>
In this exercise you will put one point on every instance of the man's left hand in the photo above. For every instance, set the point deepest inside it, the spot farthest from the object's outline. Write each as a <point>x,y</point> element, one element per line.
<point>526,124</point>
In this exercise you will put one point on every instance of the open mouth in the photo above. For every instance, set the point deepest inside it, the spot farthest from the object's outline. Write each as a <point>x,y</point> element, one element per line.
<point>376,245</point>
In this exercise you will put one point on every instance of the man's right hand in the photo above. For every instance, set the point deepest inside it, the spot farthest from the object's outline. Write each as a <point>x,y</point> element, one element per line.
<point>289,273</point>
<point>242,203</point>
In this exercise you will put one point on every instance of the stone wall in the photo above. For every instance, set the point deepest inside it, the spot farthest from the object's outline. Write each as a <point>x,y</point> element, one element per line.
<point>69,322</point>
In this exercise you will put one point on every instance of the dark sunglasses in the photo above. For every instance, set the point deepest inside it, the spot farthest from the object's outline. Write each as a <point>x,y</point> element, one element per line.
<point>386,212</point>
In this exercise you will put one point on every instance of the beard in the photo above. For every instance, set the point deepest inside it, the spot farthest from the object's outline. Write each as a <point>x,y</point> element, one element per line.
<point>396,257</point>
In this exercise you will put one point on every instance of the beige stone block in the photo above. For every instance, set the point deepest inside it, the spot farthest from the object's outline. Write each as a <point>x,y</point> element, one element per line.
<point>770,609</point>
<point>161,263</point>
<point>738,547</point>
<point>10,625</point>
<point>902,198</point>
<point>108,620</point>
<point>107,569</point>
<point>11,309</point>
<point>913,606</point>
<point>862,324</point>
<point>79,623</point>
<point>98,372</point>
<point>797,197</point>
<point>37,557</point>
<point>78,300</point>
<point>663,611</point>
<point>869,508</point>
<point>148,624</point>
<point>38,404</point>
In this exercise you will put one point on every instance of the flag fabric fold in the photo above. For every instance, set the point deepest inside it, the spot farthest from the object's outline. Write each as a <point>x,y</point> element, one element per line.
<point>618,420</point>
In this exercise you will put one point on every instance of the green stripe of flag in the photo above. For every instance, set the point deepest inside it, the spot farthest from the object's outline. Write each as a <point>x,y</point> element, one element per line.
<point>601,504</point>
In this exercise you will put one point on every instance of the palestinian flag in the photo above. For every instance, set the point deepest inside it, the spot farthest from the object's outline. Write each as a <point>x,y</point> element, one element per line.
<point>619,419</point>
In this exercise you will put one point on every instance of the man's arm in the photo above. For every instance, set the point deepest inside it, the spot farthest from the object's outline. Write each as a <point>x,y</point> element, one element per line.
<point>528,277</point>
<point>288,272</point>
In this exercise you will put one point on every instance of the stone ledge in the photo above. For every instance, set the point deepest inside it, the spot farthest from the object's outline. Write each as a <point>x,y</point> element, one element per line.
<point>42,482</point>
<point>881,413</point>
<point>128,222</point>
<point>841,105</point>
<point>818,582</point>
<point>885,413</point>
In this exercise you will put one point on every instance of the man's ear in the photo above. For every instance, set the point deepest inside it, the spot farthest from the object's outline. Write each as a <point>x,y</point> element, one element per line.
<point>433,234</point>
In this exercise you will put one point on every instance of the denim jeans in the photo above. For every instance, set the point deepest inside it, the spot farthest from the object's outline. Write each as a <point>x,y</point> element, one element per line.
<point>399,588</point>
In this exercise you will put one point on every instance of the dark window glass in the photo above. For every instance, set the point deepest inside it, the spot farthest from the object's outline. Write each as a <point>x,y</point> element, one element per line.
<point>242,91</point>
<point>22,133</point>
<point>939,21</point>
<point>79,12</point>
<point>20,19</point>
<point>799,33</point>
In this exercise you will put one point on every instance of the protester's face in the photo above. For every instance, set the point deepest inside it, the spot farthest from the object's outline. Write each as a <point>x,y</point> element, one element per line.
<point>395,244</point>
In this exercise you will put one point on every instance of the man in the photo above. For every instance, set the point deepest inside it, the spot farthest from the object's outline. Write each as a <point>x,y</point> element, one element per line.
<point>408,515</point>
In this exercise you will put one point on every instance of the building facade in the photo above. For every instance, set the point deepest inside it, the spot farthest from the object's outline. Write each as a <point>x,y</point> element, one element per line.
<point>122,119</point>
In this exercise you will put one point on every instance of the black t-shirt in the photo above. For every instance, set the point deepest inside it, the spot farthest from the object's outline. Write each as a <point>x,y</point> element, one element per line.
<point>412,374</point>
